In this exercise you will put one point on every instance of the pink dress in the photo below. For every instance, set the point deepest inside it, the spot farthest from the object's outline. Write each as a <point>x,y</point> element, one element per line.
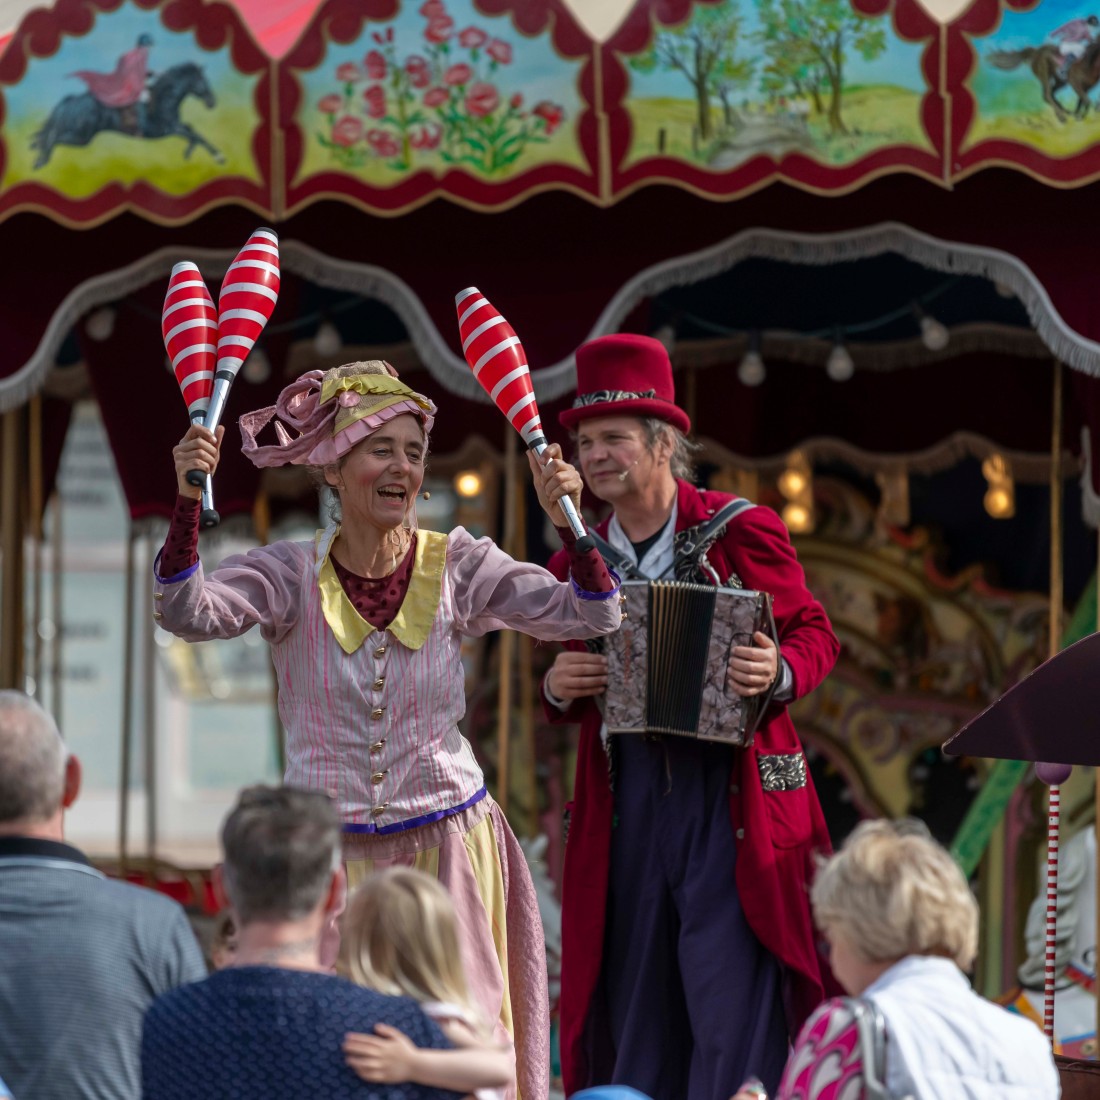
<point>371,716</point>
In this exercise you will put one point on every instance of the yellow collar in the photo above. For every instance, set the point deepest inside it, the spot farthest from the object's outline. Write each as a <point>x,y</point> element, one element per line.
<point>414,618</point>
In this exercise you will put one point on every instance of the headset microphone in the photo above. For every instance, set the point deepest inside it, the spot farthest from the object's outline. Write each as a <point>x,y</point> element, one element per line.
<point>623,476</point>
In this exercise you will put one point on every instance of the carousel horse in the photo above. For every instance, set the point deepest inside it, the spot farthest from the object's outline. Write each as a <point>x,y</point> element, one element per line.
<point>78,118</point>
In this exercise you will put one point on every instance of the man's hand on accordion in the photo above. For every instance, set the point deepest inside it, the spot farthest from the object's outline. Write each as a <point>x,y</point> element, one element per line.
<point>753,668</point>
<point>576,675</point>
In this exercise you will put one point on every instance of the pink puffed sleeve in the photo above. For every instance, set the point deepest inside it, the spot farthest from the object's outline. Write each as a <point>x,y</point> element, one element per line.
<point>493,591</point>
<point>261,588</point>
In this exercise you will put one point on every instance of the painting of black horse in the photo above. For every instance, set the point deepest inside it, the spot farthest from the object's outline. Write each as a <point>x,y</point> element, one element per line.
<point>78,118</point>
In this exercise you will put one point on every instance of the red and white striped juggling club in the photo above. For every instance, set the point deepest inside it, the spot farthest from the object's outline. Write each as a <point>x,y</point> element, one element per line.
<point>189,324</point>
<point>499,363</point>
<point>249,292</point>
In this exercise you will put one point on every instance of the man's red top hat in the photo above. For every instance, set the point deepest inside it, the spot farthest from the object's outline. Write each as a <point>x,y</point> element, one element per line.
<point>624,375</point>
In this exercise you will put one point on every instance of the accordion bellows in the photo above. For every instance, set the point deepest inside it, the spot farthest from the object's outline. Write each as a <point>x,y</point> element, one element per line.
<point>666,664</point>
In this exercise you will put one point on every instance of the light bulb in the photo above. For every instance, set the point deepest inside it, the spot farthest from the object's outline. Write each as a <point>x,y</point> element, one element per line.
<point>257,367</point>
<point>933,333</point>
<point>839,366</point>
<point>999,502</point>
<point>791,482</point>
<point>751,370</point>
<point>1004,290</point>
<point>327,341</point>
<point>666,335</point>
<point>101,324</point>
<point>797,518</point>
<point>468,483</point>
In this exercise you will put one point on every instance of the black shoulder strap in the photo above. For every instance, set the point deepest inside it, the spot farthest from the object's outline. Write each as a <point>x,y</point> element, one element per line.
<point>723,516</point>
<point>696,541</point>
<point>618,561</point>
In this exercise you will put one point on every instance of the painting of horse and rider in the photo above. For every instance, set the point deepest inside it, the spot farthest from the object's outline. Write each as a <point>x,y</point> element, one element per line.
<point>1038,79</point>
<point>167,113</point>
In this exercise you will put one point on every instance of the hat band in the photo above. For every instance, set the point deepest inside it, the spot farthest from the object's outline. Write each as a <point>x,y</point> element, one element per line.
<point>605,397</point>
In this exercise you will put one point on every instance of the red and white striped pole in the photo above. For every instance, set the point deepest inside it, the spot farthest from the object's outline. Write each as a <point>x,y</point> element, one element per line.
<point>1053,775</point>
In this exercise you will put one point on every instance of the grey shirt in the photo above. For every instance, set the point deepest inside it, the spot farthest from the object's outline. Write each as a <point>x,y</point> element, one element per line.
<point>81,959</point>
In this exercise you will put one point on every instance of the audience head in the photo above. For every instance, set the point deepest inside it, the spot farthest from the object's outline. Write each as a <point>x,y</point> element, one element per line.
<point>892,891</point>
<point>38,779</point>
<point>282,854</point>
<point>401,938</point>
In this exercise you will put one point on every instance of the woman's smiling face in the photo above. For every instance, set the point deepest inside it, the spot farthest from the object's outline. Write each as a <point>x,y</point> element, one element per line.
<point>379,477</point>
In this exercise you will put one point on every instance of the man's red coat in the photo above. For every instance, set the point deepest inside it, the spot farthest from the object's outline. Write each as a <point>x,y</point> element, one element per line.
<point>779,832</point>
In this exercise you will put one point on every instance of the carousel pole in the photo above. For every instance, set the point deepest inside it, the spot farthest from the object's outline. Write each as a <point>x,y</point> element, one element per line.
<point>1053,775</point>
<point>507,637</point>
<point>127,705</point>
<point>37,505</point>
<point>56,574</point>
<point>261,522</point>
<point>11,551</point>
<point>149,711</point>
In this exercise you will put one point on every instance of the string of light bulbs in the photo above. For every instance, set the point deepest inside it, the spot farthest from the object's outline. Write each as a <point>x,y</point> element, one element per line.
<point>839,365</point>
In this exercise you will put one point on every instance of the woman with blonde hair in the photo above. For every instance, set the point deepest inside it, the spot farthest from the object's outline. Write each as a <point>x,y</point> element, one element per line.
<point>902,927</point>
<point>401,939</point>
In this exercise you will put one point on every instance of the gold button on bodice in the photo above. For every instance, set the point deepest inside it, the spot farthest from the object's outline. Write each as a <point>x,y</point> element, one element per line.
<point>158,595</point>
<point>377,712</point>
<point>380,651</point>
<point>380,683</point>
<point>377,746</point>
<point>158,615</point>
<point>377,778</point>
<point>378,811</point>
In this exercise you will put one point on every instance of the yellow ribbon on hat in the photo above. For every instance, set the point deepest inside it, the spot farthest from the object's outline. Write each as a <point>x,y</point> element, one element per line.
<point>384,387</point>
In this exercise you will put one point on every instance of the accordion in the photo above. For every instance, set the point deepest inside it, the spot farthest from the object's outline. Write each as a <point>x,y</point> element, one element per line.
<point>666,664</point>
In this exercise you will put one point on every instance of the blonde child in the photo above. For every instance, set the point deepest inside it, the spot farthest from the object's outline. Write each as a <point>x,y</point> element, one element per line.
<point>401,938</point>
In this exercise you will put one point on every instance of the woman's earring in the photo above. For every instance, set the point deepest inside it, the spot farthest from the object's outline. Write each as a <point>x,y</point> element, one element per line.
<point>427,495</point>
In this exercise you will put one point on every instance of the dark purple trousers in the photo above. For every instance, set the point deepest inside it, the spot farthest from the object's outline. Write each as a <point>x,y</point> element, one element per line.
<point>692,1000</point>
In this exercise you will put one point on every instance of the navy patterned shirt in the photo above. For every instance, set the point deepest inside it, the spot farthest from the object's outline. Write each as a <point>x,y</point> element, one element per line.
<point>265,1033</point>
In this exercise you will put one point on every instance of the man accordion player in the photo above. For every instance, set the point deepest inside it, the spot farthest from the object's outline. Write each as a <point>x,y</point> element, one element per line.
<point>689,953</point>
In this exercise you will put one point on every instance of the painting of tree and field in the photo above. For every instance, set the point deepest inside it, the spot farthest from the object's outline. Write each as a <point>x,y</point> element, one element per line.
<point>746,78</point>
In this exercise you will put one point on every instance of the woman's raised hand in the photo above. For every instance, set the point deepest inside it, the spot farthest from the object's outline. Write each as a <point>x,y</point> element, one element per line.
<point>555,478</point>
<point>199,449</point>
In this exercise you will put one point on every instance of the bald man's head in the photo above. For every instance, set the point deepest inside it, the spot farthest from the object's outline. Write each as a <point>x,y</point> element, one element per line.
<point>32,761</point>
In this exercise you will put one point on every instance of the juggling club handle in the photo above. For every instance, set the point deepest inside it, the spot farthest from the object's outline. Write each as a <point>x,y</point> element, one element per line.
<point>209,516</point>
<point>576,524</point>
<point>212,419</point>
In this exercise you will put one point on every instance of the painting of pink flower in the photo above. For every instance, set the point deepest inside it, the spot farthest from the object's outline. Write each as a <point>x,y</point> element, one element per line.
<point>439,30</point>
<point>499,51</point>
<point>551,114</point>
<point>433,9</point>
<point>347,131</point>
<point>375,64</point>
<point>375,98</point>
<point>426,137</point>
<point>516,102</point>
<point>482,99</point>
<point>472,38</point>
<point>348,73</point>
<point>419,74</point>
<point>383,143</point>
<point>458,74</point>
<point>329,104</point>
<point>436,97</point>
